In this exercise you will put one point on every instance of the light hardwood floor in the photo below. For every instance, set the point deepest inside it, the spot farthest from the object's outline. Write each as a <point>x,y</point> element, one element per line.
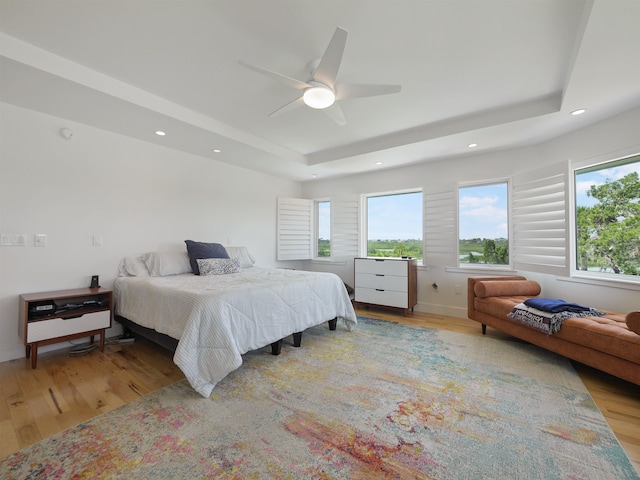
<point>64,391</point>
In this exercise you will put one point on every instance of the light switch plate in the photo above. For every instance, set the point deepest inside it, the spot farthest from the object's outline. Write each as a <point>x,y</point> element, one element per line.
<point>13,240</point>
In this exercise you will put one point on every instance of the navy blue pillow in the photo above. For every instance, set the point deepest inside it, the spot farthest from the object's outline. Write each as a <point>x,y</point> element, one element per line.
<point>199,250</point>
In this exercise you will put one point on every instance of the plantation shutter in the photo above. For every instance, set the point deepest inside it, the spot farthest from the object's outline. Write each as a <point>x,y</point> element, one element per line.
<point>440,229</point>
<point>540,221</point>
<point>295,229</point>
<point>345,231</point>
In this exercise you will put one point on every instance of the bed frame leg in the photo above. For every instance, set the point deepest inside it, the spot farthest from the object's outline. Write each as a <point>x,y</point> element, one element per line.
<point>276,347</point>
<point>333,324</point>
<point>484,329</point>
<point>297,339</point>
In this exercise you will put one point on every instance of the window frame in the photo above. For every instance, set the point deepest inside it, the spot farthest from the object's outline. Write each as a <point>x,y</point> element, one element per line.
<point>486,266</point>
<point>599,163</point>
<point>364,246</point>
<point>316,232</point>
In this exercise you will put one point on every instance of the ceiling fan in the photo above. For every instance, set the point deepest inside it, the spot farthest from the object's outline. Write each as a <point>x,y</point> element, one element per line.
<point>321,90</point>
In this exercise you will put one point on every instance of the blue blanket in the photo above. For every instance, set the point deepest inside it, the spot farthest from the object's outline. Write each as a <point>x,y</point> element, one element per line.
<point>553,305</point>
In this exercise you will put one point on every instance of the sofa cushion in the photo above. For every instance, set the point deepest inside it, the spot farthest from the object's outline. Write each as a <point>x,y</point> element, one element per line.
<point>608,334</point>
<point>493,288</point>
<point>633,321</point>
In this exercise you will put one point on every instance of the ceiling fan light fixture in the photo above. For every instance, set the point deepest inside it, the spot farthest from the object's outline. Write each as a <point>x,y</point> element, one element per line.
<point>318,96</point>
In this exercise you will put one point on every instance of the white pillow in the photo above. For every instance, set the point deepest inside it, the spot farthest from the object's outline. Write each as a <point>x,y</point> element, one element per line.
<point>132,267</point>
<point>162,264</point>
<point>241,253</point>
<point>218,266</point>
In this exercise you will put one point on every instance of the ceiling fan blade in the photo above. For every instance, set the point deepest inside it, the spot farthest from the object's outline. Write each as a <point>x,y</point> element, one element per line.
<point>329,65</point>
<point>352,90</point>
<point>289,106</point>
<point>292,82</point>
<point>336,114</point>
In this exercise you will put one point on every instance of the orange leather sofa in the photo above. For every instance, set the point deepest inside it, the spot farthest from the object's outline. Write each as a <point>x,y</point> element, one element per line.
<point>610,343</point>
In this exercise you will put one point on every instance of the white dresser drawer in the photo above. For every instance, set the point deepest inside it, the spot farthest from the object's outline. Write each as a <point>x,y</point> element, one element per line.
<point>59,327</point>
<point>382,281</point>
<point>388,298</point>
<point>387,267</point>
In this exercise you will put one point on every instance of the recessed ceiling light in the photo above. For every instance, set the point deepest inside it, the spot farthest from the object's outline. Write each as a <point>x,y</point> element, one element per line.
<point>580,111</point>
<point>160,133</point>
<point>216,150</point>
<point>314,175</point>
<point>472,145</point>
<point>378,163</point>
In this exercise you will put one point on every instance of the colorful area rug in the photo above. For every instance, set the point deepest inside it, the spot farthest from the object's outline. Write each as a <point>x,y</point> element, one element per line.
<point>384,401</point>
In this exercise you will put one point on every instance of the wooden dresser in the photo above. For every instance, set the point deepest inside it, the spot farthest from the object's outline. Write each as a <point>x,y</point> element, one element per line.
<point>390,282</point>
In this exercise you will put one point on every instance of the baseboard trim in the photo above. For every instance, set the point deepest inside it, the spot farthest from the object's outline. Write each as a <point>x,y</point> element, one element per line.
<point>458,312</point>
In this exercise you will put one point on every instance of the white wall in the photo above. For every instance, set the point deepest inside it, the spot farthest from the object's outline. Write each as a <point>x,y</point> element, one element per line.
<point>139,196</point>
<point>608,139</point>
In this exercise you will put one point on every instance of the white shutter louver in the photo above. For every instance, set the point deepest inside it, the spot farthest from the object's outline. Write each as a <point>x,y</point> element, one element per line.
<point>345,231</point>
<point>540,223</point>
<point>440,227</point>
<point>295,237</point>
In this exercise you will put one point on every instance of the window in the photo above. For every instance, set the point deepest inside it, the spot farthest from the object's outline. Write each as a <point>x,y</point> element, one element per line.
<point>394,225</point>
<point>607,218</point>
<point>323,228</point>
<point>483,224</point>
<point>308,229</point>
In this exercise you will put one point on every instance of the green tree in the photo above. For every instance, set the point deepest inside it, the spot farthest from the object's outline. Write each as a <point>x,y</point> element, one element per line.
<point>489,251</point>
<point>609,231</point>
<point>399,250</point>
<point>502,254</point>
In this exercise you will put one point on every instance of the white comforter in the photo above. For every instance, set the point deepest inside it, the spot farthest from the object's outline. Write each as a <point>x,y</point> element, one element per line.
<point>218,318</point>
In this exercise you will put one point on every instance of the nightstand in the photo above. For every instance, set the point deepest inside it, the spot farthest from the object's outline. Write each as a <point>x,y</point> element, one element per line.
<point>62,315</point>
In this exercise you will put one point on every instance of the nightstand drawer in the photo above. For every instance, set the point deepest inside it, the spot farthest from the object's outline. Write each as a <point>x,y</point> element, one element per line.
<point>60,327</point>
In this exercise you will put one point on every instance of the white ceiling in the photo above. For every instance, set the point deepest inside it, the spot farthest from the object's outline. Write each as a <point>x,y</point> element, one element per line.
<point>499,73</point>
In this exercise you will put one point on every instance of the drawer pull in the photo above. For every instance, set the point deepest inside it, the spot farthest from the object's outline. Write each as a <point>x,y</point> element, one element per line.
<point>379,260</point>
<point>379,274</point>
<point>379,290</point>
<point>75,316</point>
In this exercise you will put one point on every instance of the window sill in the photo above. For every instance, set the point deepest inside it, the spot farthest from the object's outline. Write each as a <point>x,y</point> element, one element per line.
<point>482,270</point>
<point>602,282</point>
<point>327,261</point>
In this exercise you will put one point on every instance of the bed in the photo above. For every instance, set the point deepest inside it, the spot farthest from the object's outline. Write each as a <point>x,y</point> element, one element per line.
<point>217,318</point>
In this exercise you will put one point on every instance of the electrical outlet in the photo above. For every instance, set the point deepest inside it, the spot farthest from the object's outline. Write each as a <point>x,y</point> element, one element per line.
<point>40,240</point>
<point>97,240</point>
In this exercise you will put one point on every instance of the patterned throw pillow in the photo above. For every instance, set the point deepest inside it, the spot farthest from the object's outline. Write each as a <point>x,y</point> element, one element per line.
<point>218,266</point>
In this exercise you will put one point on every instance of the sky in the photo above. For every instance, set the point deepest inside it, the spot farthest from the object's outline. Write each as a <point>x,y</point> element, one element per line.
<point>324,220</point>
<point>585,180</point>
<point>483,211</point>
<point>395,217</point>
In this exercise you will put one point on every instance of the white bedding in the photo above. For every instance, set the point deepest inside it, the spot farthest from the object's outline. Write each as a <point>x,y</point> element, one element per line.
<point>220,317</point>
